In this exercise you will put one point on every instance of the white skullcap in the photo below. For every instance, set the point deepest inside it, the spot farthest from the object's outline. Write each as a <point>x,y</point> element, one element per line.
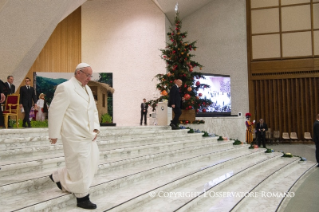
<point>82,65</point>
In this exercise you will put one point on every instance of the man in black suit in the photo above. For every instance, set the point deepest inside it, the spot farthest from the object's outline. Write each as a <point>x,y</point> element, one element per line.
<point>175,101</point>
<point>316,137</point>
<point>27,94</point>
<point>2,99</point>
<point>261,132</point>
<point>10,88</point>
<point>144,108</point>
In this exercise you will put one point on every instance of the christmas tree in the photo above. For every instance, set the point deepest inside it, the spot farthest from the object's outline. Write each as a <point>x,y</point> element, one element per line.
<point>180,66</point>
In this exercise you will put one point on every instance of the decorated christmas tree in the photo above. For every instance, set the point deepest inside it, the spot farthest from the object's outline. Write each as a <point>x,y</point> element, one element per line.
<point>180,65</point>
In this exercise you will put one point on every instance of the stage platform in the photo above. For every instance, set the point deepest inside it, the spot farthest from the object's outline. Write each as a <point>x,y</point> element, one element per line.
<point>150,168</point>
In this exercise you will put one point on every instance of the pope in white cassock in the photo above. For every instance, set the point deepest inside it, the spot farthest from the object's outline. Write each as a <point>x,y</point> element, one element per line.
<point>73,117</point>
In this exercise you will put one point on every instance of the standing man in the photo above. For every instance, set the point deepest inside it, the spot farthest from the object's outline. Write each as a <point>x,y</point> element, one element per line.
<point>316,137</point>
<point>27,94</point>
<point>10,88</point>
<point>144,108</point>
<point>2,99</point>
<point>73,117</point>
<point>261,132</point>
<point>175,101</point>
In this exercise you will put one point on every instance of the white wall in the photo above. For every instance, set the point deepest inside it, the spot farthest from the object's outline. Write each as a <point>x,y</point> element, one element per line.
<point>124,37</point>
<point>220,31</point>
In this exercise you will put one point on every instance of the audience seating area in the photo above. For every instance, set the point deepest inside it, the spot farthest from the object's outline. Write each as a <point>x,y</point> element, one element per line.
<point>274,137</point>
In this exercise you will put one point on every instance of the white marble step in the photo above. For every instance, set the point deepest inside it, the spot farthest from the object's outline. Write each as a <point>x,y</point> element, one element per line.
<point>111,158</point>
<point>104,137</point>
<point>12,186</point>
<point>273,189</point>
<point>258,177</point>
<point>195,182</point>
<point>106,183</point>
<point>157,141</point>
<point>7,134</point>
<point>42,152</point>
<point>130,186</point>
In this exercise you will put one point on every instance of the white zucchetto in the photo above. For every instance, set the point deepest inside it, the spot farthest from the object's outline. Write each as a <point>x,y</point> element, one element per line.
<point>82,65</point>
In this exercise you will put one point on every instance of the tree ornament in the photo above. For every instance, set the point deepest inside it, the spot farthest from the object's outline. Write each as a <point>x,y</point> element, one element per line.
<point>197,83</point>
<point>164,93</point>
<point>190,107</point>
<point>168,74</point>
<point>197,110</point>
<point>200,94</point>
<point>204,110</point>
<point>187,96</point>
<point>189,89</point>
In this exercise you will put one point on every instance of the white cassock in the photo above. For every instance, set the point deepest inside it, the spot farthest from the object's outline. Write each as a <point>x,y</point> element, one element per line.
<point>73,117</point>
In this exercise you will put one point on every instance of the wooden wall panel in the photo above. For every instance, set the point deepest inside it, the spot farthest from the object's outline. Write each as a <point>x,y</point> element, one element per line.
<point>62,52</point>
<point>287,105</point>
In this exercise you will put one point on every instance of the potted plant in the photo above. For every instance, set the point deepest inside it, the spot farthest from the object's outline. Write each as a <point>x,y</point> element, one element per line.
<point>107,120</point>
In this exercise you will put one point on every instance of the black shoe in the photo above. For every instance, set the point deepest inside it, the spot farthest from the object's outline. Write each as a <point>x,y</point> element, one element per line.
<point>85,203</point>
<point>172,125</point>
<point>57,184</point>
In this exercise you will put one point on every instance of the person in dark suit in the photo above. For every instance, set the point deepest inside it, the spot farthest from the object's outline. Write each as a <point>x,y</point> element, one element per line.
<point>2,99</point>
<point>27,94</point>
<point>316,137</point>
<point>261,129</point>
<point>144,108</point>
<point>10,88</point>
<point>175,101</point>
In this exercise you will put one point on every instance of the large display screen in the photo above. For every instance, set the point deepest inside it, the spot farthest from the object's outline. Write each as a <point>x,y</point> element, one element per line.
<point>219,93</point>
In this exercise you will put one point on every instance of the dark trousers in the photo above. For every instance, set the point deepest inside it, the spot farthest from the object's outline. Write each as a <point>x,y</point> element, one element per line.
<point>262,139</point>
<point>177,112</point>
<point>26,119</point>
<point>317,151</point>
<point>143,114</point>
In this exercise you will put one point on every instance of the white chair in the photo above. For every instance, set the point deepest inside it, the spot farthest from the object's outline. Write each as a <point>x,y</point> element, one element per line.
<point>307,136</point>
<point>293,136</point>
<point>285,136</point>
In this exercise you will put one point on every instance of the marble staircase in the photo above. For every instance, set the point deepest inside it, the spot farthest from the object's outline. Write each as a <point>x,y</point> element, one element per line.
<point>148,169</point>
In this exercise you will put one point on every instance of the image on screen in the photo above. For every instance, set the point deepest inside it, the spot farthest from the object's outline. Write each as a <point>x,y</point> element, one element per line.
<point>219,93</point>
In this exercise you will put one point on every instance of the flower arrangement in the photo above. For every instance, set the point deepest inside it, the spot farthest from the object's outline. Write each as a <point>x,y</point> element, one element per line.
<point>220,138</point>
<point>237,142</point>
<point>253,146</point>
<point>287,155</point>
<point>106,118</point>
<point>206,134</point>
<point>191,122</point>
<point>190,130</point>
<point>269,150</point>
